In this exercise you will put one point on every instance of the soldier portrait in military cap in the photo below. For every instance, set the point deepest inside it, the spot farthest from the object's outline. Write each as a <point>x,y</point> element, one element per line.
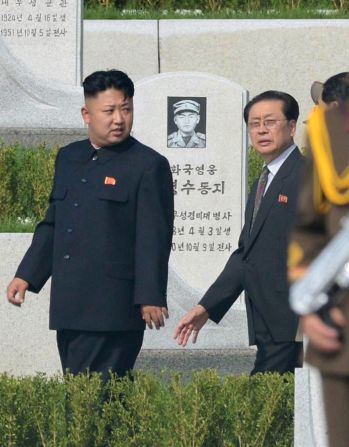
<point>186,122</point>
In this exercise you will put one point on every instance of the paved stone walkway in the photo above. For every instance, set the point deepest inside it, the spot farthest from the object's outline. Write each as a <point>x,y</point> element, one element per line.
<point>227,361</point>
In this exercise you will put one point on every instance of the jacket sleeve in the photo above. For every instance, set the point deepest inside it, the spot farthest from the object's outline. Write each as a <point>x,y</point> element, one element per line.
<point>154,228</point>
<point>228,286</point>
<point>36,265</point>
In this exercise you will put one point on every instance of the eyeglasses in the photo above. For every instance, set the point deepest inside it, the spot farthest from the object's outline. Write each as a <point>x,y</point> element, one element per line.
<point>254,126</point>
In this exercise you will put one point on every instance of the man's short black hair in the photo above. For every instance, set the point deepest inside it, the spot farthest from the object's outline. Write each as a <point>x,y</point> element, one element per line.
<point>99,81</point>
<point>290,105</point>
<point>336,88</point>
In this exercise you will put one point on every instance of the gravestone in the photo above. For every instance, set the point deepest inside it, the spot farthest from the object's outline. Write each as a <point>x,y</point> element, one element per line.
<point>45,35</point>
<point>40,65</point>
<point>208,169</point>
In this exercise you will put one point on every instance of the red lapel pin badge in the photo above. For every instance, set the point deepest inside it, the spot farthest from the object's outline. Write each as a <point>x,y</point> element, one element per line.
<point>283,198</point>
<point>110,181</point>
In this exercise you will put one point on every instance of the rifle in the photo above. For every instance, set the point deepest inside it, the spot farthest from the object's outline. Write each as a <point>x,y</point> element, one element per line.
<point>326,279</point>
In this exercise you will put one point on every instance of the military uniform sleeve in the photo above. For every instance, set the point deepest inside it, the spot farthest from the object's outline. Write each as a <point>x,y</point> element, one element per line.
<point>308,236</point>
<point>36,265</point>
<point>154,228</point>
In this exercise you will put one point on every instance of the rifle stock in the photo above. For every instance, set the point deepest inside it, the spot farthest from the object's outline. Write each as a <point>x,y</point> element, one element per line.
<point>330,269</point>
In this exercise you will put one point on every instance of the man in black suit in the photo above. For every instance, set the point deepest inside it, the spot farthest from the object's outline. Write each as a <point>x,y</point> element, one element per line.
<point>105,239</point>
<point>258,266</point>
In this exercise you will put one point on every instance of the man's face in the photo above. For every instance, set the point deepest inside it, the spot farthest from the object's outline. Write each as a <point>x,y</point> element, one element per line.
<point>186,122</point>
<point>109,117</point>
<point>270,132</point>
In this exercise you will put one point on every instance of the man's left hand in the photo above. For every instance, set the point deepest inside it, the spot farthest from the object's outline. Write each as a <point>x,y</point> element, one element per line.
<point>154,315</point>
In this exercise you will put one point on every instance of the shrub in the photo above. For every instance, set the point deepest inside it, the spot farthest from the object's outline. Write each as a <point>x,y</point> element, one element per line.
<point>26,179</point>
<point>151,411</point>
<point>217,5</point>
<point>255,163</point>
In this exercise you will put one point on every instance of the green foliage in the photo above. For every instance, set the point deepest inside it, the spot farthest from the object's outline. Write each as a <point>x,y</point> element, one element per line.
<point>151,411</point>
<point>26,178</point>
<point>157,9</point>
<point>255,164</point>
<point>32,411</point>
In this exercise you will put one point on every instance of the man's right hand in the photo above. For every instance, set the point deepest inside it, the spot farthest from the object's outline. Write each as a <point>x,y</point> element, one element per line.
<point>322,336</point>
<point>190,324</point>
<point>16,291</point>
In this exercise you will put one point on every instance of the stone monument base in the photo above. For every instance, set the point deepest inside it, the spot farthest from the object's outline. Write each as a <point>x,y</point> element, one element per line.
<point>186,361</point>
<point>310,425</point>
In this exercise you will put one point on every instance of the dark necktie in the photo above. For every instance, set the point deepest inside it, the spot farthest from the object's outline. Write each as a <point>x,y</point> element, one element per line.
<point>262,183</point>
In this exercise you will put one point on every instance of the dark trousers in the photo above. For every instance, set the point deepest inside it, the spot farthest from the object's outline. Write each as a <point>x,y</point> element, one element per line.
<point>100,352</point>
<point>336,397</point>
<point>274,356</point>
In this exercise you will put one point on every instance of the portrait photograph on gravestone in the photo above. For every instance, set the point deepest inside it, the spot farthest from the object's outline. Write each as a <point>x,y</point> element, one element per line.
<point>186,122</point>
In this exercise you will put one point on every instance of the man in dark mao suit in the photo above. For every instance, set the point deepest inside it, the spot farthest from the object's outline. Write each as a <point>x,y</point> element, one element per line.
<point>105,239</point>
<point>258,266</point>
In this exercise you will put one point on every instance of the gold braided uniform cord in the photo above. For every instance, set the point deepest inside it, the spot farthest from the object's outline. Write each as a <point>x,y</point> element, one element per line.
<point>327,183</point>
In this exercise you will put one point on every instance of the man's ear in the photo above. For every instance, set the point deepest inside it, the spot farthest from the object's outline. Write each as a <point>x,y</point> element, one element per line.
<point>293,127</point>
<point>85,114</point>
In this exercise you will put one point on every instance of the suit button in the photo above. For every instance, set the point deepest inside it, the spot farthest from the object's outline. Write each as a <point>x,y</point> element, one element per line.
<point>70,230</point>
<point>76,204</point>
<point>94,158</point>
<point>83,180</point>
<point>66,257</point>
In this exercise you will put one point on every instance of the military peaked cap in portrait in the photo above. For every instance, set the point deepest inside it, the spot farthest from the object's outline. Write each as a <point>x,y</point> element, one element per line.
<point>186,105</point>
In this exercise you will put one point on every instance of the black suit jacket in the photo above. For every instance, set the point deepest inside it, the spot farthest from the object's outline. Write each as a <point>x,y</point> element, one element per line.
<point>106,237</point>
<point>259,265</point>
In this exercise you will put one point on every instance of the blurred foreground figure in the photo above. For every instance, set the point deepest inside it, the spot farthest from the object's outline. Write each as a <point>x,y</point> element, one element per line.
<point>323,201</point>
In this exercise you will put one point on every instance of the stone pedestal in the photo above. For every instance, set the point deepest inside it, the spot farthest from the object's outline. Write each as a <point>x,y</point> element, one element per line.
<point>309,425</point>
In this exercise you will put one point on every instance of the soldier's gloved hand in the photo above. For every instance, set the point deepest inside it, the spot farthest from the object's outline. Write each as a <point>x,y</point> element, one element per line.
<point>326,316</point>
<point>322,336</point>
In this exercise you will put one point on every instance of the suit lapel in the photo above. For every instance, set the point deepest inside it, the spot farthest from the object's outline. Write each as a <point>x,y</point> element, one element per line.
<point>249,212</point>
<point>271,195</point>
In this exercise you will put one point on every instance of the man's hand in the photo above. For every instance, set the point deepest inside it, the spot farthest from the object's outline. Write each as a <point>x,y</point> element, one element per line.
<point>154,315</point>
<point>322,336</point>
<point>16,291</point>
<point>191,324</point>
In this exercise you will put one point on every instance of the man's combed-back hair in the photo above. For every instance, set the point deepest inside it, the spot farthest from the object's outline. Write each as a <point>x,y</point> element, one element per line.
<point>336,88</point>
<point>290,105</point>
<point>99,81</point>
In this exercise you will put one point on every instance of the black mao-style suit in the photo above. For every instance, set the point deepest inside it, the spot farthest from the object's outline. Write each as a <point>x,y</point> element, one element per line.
<point>259,265</point>
<point>106,237</point>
